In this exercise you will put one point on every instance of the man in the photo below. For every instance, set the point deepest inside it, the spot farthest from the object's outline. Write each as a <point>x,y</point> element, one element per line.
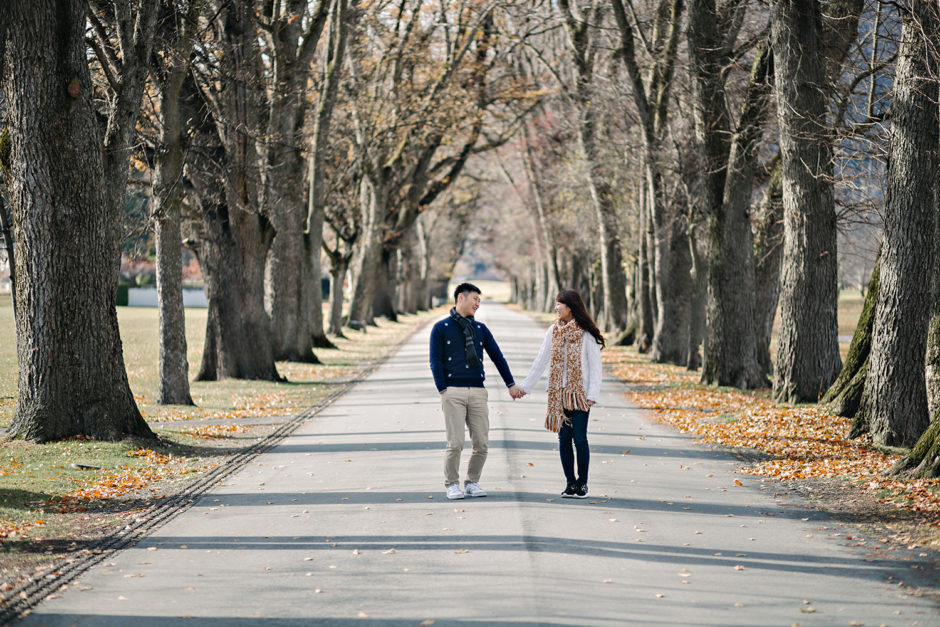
<point>457,345</point>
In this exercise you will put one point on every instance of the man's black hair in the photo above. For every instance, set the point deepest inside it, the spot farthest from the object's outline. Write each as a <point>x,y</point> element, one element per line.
<point>465,287</point>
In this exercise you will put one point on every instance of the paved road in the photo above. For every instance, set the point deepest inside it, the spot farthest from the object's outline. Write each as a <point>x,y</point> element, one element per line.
<point>345,523</point>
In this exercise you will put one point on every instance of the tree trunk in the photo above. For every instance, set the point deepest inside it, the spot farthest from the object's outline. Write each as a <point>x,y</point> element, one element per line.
<point>894,403</point>
<point>548,246</point>
<point>932,359</point>
<point>731,330</point>
<point>338,270</point>
<point>6,227</point>
<point>768,253</point>
<point>409,273</point>
<point>673,293</point>
<point>238,233</point>
<point>923,461</point>
<point>67,221</point>
<point>644,291</point>
<point>288,288</point>
<point>845,394</point>
<point>697,315</point>
<point>167,202</point>
<point>167,199</point>
<point>238,343</point>
<point>367,261</point>
<point>386,286</point>
<point>341,20</point>
<point>613,278</point>
<point>808,350</point>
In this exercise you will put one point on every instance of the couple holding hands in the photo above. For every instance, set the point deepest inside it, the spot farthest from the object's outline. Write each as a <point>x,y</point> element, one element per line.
<point>571,350</point>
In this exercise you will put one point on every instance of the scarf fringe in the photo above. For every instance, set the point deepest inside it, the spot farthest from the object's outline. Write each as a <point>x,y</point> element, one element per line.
<point>571,401</point>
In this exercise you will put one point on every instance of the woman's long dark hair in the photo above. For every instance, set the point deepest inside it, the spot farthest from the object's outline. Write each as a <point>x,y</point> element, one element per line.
<point>579,312</point>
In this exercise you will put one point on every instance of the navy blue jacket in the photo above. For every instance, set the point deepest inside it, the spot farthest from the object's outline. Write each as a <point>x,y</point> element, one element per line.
<point>449,357</point>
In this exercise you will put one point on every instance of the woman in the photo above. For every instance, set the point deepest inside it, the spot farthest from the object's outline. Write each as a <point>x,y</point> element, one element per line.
<point>572,350</point>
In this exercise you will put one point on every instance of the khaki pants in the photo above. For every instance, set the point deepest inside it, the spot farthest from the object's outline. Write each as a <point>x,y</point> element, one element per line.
<point>465,406</point>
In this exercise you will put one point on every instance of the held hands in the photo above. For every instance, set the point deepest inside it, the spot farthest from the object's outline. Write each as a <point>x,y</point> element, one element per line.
<point>516,392</point>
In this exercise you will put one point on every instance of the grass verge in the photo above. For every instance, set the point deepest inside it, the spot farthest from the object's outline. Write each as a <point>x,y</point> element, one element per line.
<point>58,498</point>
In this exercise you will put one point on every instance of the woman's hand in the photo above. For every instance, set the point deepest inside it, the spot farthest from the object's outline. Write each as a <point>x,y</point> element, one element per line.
<point>591,404</point>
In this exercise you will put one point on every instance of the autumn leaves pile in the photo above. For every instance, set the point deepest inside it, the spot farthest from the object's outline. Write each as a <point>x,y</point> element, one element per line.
<point>799,442</point>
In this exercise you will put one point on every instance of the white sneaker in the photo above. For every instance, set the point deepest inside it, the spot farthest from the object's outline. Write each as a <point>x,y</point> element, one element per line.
<point>474,489</point>
<point>454,492</point>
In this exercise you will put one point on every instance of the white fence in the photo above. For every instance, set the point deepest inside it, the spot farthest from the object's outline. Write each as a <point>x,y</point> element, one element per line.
<point>147,297</point>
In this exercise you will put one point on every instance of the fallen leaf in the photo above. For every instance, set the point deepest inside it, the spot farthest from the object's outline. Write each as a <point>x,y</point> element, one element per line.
<point>738,482</point>
<point>389,552</point>
<point>462,551</point>
<point>739,567</point>
<point>660,595</point>
<point>425,623</point>
<point>625,452</point>
<point>361,613</point>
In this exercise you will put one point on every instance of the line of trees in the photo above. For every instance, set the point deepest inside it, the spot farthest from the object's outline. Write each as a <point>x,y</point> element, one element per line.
<point>720,150</point>
<point>267,133</point>
<point>691,167</point>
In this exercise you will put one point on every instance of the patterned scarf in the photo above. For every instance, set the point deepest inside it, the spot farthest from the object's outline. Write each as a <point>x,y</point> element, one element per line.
<point>469,336</point>
<point>571,394</point>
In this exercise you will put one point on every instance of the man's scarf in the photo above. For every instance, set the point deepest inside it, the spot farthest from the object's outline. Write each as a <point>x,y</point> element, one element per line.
<point>565,363</point>
<point>469,336</point>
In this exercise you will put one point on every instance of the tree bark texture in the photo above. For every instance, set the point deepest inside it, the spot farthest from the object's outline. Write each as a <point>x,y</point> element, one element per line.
<point>167,199</point>
<point>238,235</point>
<point>6,228</point>
<point>731,330</point>
<point>338,271</point>
<point>768,253</point>
<point>894,402</point>
<point>292,296</point>
<point>613,277</point>
<point>67,225</point>
<point>698,304</point>
<point>645,290</point>
<point>238,344</point>
<point>674,292</point>
<point>932,359</point>
<point>167,202</point>
<point>923,461</point>
<point>807,360</point>
<point>368,259</point>
<point>844,395</point>
<point>342,18</point>
<point>582,48</point>
<point>549,249</point>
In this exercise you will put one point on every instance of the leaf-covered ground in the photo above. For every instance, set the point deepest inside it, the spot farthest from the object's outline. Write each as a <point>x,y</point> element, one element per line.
<point>56,498</point>
<point>802,442</point>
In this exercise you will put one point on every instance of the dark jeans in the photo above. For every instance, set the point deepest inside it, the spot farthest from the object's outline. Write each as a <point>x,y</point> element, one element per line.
<point>575,432</point>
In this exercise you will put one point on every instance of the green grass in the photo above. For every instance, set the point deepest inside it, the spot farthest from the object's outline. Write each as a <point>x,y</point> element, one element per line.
<point>33,476</point>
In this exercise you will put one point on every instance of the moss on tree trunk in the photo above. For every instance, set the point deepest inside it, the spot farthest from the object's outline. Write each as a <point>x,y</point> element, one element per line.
<point>844,395</point>
<point>923,462</point>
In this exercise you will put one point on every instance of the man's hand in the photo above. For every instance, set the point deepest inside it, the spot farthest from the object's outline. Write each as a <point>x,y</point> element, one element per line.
<point>516,392</point>
<point>590,403</point>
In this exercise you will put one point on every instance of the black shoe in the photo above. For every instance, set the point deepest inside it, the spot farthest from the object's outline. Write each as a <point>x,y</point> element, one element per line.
<point>581,491</point>
<point>570,491</point>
